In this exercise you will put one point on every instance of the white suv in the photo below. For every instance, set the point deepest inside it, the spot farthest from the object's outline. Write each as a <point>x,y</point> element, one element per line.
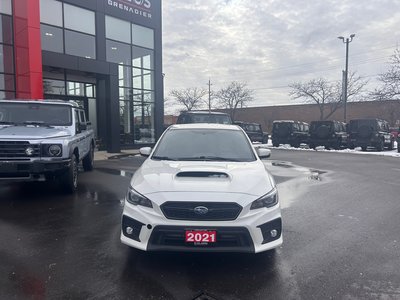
<point>203,188</point>
<point>42,140</point>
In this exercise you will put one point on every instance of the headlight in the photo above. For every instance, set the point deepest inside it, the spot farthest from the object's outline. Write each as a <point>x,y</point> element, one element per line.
<point>268,200</point>
<point>52,150</point>
<point>135,198</point>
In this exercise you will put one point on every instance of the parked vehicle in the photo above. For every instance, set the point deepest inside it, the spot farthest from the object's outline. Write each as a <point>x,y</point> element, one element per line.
<point>330,134</point>
<point>203,188</point>
<point>44,140</point>
<point>398,141</point>
<point>289,132</point>
<point>254,131</point>
<point>366,133</point>
<point>203,117</point>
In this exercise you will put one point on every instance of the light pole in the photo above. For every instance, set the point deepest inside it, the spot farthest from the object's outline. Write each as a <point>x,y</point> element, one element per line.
<point>346,41</point>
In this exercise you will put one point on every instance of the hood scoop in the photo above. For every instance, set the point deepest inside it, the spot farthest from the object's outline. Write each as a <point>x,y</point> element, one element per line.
<point>202,174</point>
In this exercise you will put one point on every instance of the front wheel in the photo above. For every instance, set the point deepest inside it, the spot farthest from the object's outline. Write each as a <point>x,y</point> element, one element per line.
<point>69,180</point>
<point>380,146</point>
<point>391,145</point>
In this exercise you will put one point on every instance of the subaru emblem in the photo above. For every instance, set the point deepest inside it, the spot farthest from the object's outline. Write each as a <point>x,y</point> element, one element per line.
<point>200,210</point>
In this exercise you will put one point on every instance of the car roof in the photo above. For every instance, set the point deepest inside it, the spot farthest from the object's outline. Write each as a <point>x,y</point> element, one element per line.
<point>202,112</point>
<point>205,126</point>
<point>245,123</point>
<point>284,121</point>
<point>42,101</point>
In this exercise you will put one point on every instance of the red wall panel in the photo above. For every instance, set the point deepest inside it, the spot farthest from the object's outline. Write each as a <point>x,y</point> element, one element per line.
<point>28,52</point>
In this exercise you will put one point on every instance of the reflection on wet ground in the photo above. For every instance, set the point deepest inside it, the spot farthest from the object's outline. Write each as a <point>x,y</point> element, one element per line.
<point>111,171</point>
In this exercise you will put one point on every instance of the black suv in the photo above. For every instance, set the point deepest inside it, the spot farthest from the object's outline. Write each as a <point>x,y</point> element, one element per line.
<point>330,134</point>
<point>289,132</point>
<point>254,131</point>
<point>366,133</point>
<point>203,117</point>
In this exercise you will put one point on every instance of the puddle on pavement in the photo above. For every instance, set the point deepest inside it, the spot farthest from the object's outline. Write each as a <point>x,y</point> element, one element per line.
<point>122,173</point>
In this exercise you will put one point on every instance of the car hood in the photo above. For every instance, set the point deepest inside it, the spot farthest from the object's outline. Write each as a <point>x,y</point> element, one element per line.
<point>31,132</point>
<point>250,178</point>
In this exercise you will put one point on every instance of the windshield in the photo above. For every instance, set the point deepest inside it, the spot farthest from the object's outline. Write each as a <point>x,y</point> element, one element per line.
<point>35,114</point>
<point>204,144</point>
<point>283,126</point>
<point>315,125</point>
<point>355,124</point>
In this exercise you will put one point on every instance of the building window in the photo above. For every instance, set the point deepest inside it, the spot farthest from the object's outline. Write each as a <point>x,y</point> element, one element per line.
<point>142,36</point>
<point>70,36</point>
<point>118,53</point>
<point>5,7</point>
<point>6,59</point>
<point>131,47</point>
<point>51,12</point>
<point>6,33</point>
<point>118,30</point>
<point>79,19</point>
<point>80,44</point>
<point>7,77</point>
<point>52,38</point>
<point>142,58</point>
<point>54,87</point>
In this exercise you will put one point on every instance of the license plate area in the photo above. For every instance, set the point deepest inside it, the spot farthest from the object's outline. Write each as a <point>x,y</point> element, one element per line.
<point>200,237</point>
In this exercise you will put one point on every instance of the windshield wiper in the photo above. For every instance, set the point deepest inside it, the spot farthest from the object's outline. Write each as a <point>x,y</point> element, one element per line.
<point>208,158</point>
<point>36,123</point>
<point>7,123</point>
<point>162,158</point>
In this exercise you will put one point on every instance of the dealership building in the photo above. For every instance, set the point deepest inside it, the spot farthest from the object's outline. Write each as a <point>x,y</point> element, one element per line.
<point>104,54</point>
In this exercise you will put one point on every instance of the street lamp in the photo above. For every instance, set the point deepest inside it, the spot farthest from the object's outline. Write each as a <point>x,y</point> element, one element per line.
<point>346,41</point>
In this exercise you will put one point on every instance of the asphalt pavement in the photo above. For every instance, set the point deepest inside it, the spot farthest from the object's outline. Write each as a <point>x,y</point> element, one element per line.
<point>341,240</point>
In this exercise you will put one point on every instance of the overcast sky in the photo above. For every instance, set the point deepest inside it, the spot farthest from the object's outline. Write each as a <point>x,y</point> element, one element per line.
<point>270,44</point>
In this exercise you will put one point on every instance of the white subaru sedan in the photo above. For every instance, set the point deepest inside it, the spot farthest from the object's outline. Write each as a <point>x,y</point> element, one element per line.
<point>202,188</point>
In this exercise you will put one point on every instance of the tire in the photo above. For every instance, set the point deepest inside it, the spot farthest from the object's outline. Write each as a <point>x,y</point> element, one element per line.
<point>295,145</point>
<point>87,161</point>
<point>364,148</point>
<point>391,145</point>
<point>69,180</point>
<point>312,146</point>
<point>265,140</point>
<point>380,146</point>
<point>275,144</point>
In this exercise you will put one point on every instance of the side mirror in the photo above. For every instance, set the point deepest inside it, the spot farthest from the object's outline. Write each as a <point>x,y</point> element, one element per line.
<point>145,151</point>
<point>263,153</point>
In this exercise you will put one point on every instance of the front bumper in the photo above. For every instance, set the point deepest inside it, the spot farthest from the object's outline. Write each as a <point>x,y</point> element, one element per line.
<point>28,170</point>
<point>250,233</point>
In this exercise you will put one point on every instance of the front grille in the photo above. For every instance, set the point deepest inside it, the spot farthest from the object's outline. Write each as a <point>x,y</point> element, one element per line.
<point>229,239</point>
<point>17,149</point>
<point>201,211</point>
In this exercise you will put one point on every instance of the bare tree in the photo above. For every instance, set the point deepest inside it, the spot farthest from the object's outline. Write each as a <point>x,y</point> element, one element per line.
<point>327,95</point>
<point>190,98</point>
<point>390,80</point>
<point>235,95</point>
<point>318,91</point>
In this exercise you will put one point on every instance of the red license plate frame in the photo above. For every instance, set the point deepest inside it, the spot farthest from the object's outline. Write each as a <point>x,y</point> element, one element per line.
<point>200,237</point>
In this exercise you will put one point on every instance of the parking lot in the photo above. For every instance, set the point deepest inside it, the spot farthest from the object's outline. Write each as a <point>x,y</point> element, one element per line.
<point>341,240</point>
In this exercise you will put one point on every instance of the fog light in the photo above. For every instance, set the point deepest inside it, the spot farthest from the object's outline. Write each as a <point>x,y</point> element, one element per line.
<point>274,233</point>
<point>129,230</point>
